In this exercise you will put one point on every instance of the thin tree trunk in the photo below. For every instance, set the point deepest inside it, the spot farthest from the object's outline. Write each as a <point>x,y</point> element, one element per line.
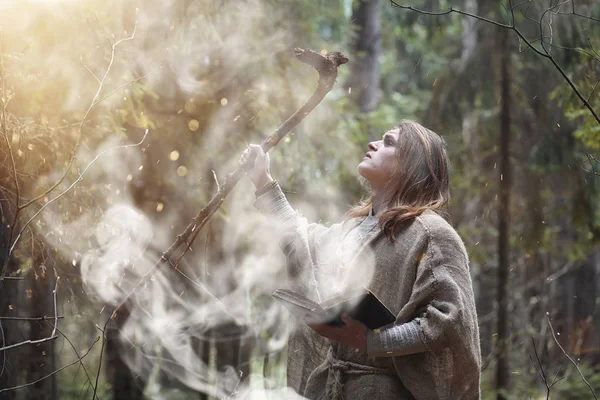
<point>125,386</point>
<point>366,49</point>
<point>502,357</point>
<point>41,360</point>
<point>11,365</point>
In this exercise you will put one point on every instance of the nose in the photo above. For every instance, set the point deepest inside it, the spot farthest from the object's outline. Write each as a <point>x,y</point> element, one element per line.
<point>373,146</point>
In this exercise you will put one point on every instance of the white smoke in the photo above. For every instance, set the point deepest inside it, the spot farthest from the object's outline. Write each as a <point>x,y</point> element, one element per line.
<point>118,245</point>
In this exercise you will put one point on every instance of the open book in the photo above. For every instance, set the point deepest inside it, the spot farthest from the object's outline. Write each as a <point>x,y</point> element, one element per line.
<point>361,305</point>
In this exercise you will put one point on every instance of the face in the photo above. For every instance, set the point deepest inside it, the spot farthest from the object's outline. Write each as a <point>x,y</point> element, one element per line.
<point>376,166</point>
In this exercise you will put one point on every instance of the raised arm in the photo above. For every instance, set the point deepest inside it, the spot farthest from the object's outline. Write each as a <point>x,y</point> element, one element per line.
<point>297,235</point>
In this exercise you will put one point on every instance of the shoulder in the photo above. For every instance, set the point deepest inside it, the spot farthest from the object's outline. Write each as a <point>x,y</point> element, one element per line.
<point>435,225</point>
<point>442,236</point>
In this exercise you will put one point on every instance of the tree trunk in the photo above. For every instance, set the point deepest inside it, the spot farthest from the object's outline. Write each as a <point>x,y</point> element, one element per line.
<point>41,360</point>
<point>366,49</point>
<point>12,368</point>
<point>125,386</point>
<point>502,356</point>
<point>12,331</point>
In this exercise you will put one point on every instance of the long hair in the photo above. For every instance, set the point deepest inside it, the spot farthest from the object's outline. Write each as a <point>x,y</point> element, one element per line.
<point>419,179</point>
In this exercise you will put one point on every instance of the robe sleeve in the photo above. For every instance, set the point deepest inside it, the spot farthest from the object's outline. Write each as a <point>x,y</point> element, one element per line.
<point>298,238</point>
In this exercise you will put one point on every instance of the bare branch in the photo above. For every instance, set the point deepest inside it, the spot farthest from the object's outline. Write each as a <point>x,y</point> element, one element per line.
<point>130,82</point>
<point>52,335</point>
<point>571,360</point>
<point>593,161</point>
<point>55,307</point>
<point>555,380</point>
<point>93,103</point>
<point>78,356</point>
<point>3,117</point>
<point>450,11</point>
<point>573,12</point>
<point>101,353</point>
<point>53,372</point>
<point>89,70</point>
<point>593,54</point>
<point>75,182</point>
<point>13,165</point>
<point>593,89</point>
<point>539,367</point>
<point>30,319</point>
<point>205,290</point>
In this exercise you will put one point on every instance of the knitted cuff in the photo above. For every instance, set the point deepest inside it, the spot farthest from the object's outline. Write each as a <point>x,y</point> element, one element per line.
<point>259,192</point>
<point>395,340</point>
<point>271,201</point>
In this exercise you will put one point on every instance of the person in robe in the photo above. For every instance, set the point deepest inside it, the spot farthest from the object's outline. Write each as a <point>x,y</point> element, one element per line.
<point>399,245</point>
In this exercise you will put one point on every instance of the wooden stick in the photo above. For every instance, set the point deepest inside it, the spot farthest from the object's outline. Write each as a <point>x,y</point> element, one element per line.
<point>327,67</point>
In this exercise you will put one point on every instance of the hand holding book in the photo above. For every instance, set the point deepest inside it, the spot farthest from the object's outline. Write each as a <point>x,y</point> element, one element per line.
<point>361,305</point>
<point>351,333</point>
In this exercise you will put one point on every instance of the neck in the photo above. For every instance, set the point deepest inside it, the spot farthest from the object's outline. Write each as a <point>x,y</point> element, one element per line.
<point>378,201</point>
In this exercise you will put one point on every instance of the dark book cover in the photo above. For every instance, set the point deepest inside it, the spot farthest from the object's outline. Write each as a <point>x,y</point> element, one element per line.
<point>361,305</point>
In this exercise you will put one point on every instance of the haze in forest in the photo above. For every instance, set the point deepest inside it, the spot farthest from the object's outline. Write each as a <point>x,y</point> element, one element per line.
<point>204,78</point>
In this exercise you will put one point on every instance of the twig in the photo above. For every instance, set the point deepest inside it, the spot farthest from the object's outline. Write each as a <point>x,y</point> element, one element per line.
<point>593,89</point>
<point>75,182</point>
<point>79,358</point>
<point>51,337</point>
<point>571,360</point>
<point>93,103</point>
<point>101,355</point>
<point>53,372</point>
<point>540,370</point>
<point>573,12</point>
<point>449,11</point>
<point>89,70</point>
<point>4,125</point>
<point>130,82</point>
<point>55,307</point>
<point>205,290</point>
<point>29,319</point>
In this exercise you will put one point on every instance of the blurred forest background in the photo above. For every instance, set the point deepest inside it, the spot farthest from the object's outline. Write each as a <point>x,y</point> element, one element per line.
<point>119,117</point>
